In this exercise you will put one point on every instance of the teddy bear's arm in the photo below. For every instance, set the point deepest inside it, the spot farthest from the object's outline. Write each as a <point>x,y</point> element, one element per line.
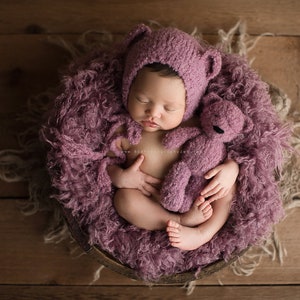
<point>173,188</point>
<point>202,154</point>
<point>177,137</point>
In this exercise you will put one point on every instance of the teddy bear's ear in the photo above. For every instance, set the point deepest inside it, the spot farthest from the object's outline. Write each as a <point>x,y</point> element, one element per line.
<point>212,61</point>
<point>211,98</point>
<point>248,125</point>
<point>135,35</point>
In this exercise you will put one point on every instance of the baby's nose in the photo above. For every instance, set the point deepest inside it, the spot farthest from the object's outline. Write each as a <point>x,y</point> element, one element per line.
<point>154,111</point>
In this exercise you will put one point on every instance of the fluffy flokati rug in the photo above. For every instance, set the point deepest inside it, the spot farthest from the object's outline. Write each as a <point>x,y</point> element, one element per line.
<point>81,121</point>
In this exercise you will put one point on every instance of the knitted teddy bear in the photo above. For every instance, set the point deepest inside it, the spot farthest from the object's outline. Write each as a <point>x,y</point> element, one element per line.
<point>203,149</point>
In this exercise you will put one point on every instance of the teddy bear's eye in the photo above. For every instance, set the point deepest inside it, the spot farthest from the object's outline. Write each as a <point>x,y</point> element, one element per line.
<point>217,129</point>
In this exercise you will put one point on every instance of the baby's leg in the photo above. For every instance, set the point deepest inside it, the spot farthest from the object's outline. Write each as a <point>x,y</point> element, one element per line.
<point>191,238</point>
<point>141,210</point>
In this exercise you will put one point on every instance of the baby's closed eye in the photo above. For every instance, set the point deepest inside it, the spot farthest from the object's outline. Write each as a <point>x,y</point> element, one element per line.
<point>170,108</point>
<point>142,100</point>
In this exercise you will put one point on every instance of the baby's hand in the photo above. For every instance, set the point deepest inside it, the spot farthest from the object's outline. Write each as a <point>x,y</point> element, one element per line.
<point>134,178</point>
<point>224,177</point>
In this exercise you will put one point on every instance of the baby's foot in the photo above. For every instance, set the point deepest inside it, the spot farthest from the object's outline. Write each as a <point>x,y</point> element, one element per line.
<point>185,238</point>
<point>200,211</point>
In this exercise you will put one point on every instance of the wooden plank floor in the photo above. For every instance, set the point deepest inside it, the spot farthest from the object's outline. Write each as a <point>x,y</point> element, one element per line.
<point>31,269</point>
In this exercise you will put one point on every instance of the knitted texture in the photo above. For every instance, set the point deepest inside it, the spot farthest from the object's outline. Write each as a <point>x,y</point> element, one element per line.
<point>203,149</point>
<point>195,64</point>
<point>80,131</point>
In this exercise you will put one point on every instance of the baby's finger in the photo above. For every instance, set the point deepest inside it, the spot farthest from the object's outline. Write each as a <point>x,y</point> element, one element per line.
<point>210,189</point>
<point>145,191</point>
<point>137,163</point>
<point>213,172</point>
<point>217,196</point>
<point>152,180</point>
<point>213,192</point>
<point>150,189</point>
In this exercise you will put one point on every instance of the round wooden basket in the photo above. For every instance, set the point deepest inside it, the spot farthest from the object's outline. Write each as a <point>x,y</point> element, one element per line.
<point>110,262</point>
<point>282,105</point>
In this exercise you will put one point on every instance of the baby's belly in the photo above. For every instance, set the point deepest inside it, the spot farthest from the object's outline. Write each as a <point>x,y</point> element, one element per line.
<point>157,161</point>
<point>159,165</point>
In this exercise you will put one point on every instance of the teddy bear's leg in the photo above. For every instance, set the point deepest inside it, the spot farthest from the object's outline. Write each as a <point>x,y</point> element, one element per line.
<point>173,189</point>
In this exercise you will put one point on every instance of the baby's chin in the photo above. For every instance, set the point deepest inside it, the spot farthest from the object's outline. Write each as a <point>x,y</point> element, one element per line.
<point>151,129</point>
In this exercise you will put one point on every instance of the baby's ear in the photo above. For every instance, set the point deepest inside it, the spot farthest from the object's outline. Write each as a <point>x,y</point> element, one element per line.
<point>135,35</point>
<point>248,125</point>
<point>212,61</point>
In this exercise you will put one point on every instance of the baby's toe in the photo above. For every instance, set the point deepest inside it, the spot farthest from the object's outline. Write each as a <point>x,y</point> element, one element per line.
<point>208,213</point>
<point>172,224</point>
<point>207,208</point>
<point>200,200</point>
<point>172,233</point>
<point>174,239</point>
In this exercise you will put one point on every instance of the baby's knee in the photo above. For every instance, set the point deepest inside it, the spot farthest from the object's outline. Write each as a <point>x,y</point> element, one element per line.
<point>232,192</point>
<point>123,202</point>
<point>229,197</point>
<point>226,200</point>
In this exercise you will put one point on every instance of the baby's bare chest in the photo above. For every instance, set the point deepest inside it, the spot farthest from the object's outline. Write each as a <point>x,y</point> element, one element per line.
<point>158,159</point>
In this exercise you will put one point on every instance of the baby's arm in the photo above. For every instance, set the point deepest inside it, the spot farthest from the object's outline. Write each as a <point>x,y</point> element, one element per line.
<point>223,178</point>
<point>133,178</point>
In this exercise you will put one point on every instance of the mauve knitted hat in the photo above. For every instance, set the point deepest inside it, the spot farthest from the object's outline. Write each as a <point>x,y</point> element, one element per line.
<point>195,64</point>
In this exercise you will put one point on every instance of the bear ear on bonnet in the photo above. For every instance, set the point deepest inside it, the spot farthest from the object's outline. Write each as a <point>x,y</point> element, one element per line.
<point>212,62</point>
<point>135,35</point>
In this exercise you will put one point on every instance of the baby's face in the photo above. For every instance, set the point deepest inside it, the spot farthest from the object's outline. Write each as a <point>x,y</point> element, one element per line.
<point>156,102</point>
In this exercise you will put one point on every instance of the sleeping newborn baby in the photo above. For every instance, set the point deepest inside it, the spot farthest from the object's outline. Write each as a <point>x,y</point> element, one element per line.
<point>166,73</point>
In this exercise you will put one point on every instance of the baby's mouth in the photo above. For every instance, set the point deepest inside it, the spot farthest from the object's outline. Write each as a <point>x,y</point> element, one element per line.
<point>147,123</point>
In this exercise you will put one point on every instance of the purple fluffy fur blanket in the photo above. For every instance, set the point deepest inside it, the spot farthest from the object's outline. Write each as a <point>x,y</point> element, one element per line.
<point>80,130</point>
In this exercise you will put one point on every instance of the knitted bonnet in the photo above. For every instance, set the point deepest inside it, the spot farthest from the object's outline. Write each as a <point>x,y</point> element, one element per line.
<point>195,64</point>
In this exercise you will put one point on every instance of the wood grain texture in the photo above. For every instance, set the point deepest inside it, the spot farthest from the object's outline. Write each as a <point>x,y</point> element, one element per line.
<point>146,293</point>
<point>118,16</point>
<point>29,64</point>
<point>26,259</point>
